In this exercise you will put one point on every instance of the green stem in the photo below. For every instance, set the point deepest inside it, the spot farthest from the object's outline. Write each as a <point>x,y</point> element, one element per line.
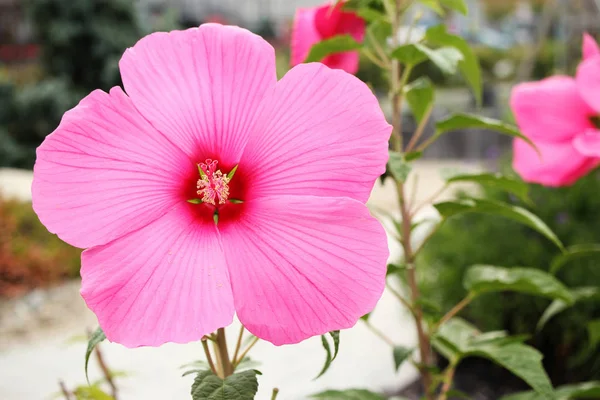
<point>245,352</point>
<point>380,334</point>
<point>238,345</point>
<point>275,393</point>
<point>226,365</point>
<point>420,129</point>
<point>455,310</point>
<point>209,359</point>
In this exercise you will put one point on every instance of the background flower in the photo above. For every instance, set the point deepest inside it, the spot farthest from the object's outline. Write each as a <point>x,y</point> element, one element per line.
<point>559,114</point>
<point>312,25</point>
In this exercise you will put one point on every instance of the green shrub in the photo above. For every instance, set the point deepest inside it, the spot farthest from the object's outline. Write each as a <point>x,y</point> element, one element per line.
<point>30,256</point>
<point>574,214</point>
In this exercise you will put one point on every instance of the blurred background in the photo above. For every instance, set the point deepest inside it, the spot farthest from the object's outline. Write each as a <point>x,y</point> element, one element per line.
<point>54,52</point>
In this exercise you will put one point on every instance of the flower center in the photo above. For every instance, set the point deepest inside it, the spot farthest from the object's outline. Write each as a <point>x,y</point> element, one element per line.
<point>213,186</point>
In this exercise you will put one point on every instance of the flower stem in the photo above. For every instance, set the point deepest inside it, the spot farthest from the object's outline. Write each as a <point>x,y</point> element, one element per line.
<point>448,377</point>
<point>380,334</point>
<point>64,391</point>
<point>106,372</point>
<point>209,359</point>
<point>455,310</point>
<point>245,352</point>
<point>238,344</point>
<point>420,129</point>
<point>275,393</point>
<point>226,364</point>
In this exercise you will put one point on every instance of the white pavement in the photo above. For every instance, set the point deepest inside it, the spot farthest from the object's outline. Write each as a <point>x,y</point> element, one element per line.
<point>35,357</point>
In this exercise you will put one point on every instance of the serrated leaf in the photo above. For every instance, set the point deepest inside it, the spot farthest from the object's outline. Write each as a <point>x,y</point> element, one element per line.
<point>586,390</point>
<point>337,44</point>
<point>510,185</point>
<point>456,5</point>
<point>398,166</point>
<point>420,96</point>
<point>350,394</point>
<point>573,253</point>
<point>451,208</point>
<point>401,353</point>
<point>558,306</point>
<point>239,386</point>
<point>95,338</point>
<point>469,66</point>
<point>434,5</point>
<point>445,58</point>
<point>468,121</point>
<point>487,278</point>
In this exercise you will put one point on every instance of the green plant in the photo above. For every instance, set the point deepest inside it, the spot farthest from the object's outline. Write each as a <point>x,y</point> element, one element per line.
<point>572,214</point>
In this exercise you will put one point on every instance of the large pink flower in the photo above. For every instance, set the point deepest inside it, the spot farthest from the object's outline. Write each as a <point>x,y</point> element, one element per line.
<point>560,115</point>
<point>312,25</point>
<point>295,251</point>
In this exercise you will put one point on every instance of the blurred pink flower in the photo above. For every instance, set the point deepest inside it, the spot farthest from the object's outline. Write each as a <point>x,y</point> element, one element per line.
<point>295,251</point>
<point>560,115</point>
<point>312,25</point>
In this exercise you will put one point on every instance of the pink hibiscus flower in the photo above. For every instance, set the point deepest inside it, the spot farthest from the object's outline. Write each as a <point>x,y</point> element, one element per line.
<point>286,242</point>
<point>560,115</point>
<point>312,25</point>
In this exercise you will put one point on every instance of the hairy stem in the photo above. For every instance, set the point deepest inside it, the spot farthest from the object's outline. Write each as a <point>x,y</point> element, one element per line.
<point>226,364</point>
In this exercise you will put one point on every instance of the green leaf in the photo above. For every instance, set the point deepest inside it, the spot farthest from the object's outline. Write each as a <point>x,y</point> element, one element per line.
<point>456,5</point>
<point>469,121</point>
<point>469,65</point>
<point>445,58</point>
<point>95,338</point>
<point>413,155</point>
<point>558,306</point>
<point>451,208</point>
<point>401,353</point>
<point>350,394</point>
<point>420,96</point>
<point>370,15</point>
<point>523,361</point>
<point>91,393</point>
<point>398,166</point>
<point>240,386</point>
<point>586,390</point>
<point>335,335</point>
<point>328,357</point>
<point>434,5</point>
<point>486,278</point>
<point>510,185</point>
<point>378,31</point>
<point>458,339</point>
<point>337,44</point>
<point>573,253</point>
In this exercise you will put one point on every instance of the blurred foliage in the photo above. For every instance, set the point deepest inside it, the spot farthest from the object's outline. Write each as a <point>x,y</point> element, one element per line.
<point>30,256</point>
<point>81,43</point>
<point>571,213</point>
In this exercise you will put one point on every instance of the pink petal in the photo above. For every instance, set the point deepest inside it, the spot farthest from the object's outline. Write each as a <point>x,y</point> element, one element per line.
<point>166,282</point>
<point>322,133</point>
<point>588,82</point>
<point>561,164</point>
<point>588,143</point>
<point>304,34</point>
<point>590,46</point>
<point>201,86</point>
<point>104,172</point>
<point>551,109</point>
<point>302,266</point>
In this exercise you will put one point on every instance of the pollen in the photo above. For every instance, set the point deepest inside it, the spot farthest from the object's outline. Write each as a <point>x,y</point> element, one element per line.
<point>213,185</point>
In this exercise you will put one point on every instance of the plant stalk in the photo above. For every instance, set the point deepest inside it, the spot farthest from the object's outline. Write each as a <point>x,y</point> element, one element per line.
<point>226,364</point>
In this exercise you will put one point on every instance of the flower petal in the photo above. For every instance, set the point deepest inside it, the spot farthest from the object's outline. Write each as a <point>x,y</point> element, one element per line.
<point>590,46</point>
<point>104,172</point>
<point>304,34</point>
<point>321,132</point>
<point>201,86</point>
<point>588,82</point>
<point>551,109</point>
<point>561,164</point>
<point>166,282</point>
<point>302,266</point>
<point>588,143</point>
